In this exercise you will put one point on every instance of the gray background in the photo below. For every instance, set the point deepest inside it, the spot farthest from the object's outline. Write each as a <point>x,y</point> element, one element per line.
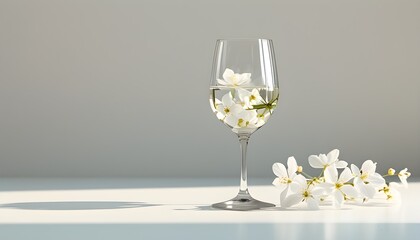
<point>99,88</point>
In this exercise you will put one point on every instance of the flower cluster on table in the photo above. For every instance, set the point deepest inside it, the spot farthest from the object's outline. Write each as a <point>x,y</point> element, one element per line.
<point>240,107</point>
<point>352,184</point>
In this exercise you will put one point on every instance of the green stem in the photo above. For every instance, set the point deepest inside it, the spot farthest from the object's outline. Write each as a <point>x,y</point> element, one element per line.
<point>306,175</point>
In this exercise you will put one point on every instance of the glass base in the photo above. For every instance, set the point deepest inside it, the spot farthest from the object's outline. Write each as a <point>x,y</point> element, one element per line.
<point>242,202</point>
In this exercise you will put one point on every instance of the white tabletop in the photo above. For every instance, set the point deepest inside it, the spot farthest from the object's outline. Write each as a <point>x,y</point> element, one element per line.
<point>179,209</point>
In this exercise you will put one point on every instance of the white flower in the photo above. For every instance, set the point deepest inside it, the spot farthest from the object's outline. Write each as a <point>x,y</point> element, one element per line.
<point>262,117</point>
<point>403,175</point>
<point>241,118</point>
<point>232,79</point>
<point>329,160</point>
<point>366,180</point>
<point>249,98</point>
<point>302,192</point>
<point>225,107</point>
<point>218,109</point>
<point>284,177</point>
<point>337,186</point>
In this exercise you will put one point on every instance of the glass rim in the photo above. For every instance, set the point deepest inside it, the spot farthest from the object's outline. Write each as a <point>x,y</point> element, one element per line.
<point>243,39</point>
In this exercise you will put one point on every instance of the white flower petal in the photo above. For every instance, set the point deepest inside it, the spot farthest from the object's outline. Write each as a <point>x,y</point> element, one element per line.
<point>279,185</point>
<point>333,155</point>
<point>227,100</point>
<point>345,176</point>
<point>331,174</point>
<point>301,181</point>
<point>349,191</point>
<point>295,187</point>
<point>231,120</point>
<point>228,74</point>
<point>243,94</point>
<point>376,179</point>
<point>355,170</point>
<point>222,82</point>
<point>292,200</point>
<point>315,161</point>
<point>291,166</point>
<point>338,199</point>
<point>327,187</point>
<point>279,170</point>
<point>365,189</point>
<point>244,78</point>
<point>237,110</point>
<point>317,191</point>
<point>341,164</point>
<point>403,175</point>
<point>283,194</point>
<point>368,167</point>
<point>404,181</point>
<point>312,203</point>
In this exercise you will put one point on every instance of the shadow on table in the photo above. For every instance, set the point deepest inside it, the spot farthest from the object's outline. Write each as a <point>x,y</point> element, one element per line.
<point>76,205</point>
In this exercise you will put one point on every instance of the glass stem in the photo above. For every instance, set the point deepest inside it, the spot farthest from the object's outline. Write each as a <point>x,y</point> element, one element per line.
<point>243,140</point>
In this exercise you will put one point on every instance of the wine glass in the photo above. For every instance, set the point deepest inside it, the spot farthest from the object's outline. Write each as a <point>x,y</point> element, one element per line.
<point>243,94</point>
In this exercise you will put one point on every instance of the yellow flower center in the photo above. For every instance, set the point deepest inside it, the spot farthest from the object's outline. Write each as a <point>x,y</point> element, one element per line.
<point>338,185</point>
<point>226,110</point>
<point>364,176</point>
<point>285,180</point>
<point>306,194</point>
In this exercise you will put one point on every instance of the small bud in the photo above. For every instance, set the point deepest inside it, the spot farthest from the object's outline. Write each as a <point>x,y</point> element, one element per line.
<point>391,172</point>
<point>299,169</point>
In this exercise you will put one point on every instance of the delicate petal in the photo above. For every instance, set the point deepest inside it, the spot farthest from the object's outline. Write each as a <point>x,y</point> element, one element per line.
<point>403,175</point>
<point>349,191</point>
<point>333,156</point>
<point>279,185</point>
<point>295,187</point>
<point>338,199</point>
<point>243,94</point>
<point>283,194</point>
<point>231,120</point>
<point>324,159</point>
<point>315,161</point>
<point>317,191</point>
<point>292,200</point>
<point>331,174</point>
<point>222,82</point>
<point>355,170</point>
<point>291,166</point>
<point>279,170</point>
<point>312,203</point>
<point>227,100</point>
<point>301,181</point>
<point>368,167</point>
<point>376,179</point>
<point>365,189</point>
<point>341,164</point>
<point>327,187</point>
<point>220,108</point>
<point>237,109</point>
<point>244,78</point>
<point>345,176</point>
<point>404,181</point>
<point>228,74</point>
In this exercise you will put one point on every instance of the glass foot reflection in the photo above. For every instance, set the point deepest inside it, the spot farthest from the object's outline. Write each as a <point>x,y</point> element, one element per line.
<point>242,202</point>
